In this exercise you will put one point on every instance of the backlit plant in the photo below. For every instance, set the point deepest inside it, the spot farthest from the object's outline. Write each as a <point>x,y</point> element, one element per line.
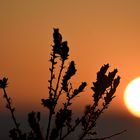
<point>61,123</point>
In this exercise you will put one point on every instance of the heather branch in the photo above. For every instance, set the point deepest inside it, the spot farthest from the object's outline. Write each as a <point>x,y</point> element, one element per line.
<point>61,49</point>
<point>58,81</point>
<point>64,115</point>
<point>52,76</point>
<point>55,98</point>
<point>50,91</point>
<point>104,86</point>
<point>3,85</point>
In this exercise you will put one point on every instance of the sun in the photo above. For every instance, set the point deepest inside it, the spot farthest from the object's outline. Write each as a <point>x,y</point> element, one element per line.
<point>132,97</point>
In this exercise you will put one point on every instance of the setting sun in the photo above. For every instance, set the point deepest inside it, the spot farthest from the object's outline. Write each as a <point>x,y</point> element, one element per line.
<point>91,34</point>
<point>132,97</point>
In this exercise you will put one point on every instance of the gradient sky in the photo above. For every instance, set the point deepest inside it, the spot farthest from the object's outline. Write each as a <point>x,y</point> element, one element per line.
<point>97,31</point>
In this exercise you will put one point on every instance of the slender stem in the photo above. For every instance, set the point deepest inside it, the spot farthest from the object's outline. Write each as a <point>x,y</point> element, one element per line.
<point>55,94</point>
<point>77,124</point>
<point>93,123</point>
<point>59,76</point>
<point>12,112</point>
<point>74,127</point>
<point>108,137</point>
<point>49,124</point>
<point>50,92</point>
<point>51,76</point>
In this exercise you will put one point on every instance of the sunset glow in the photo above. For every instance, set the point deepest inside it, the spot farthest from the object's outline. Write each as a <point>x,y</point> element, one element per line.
<point>132,97</point>
<point>97,31</point>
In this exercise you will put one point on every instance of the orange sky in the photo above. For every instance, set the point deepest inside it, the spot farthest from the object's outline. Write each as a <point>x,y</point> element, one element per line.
<point>98,32</point>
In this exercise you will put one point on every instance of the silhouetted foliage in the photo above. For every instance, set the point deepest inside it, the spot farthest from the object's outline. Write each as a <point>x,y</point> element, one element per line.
<point>61,123</point>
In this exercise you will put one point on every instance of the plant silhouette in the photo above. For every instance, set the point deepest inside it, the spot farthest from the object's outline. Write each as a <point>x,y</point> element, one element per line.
<point>61,124</point>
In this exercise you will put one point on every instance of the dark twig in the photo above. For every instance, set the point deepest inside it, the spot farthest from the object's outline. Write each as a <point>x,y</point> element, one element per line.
<point>109,137</point>
<point>56,97</point>
<point>3,85</point>
<point>50,91</point>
